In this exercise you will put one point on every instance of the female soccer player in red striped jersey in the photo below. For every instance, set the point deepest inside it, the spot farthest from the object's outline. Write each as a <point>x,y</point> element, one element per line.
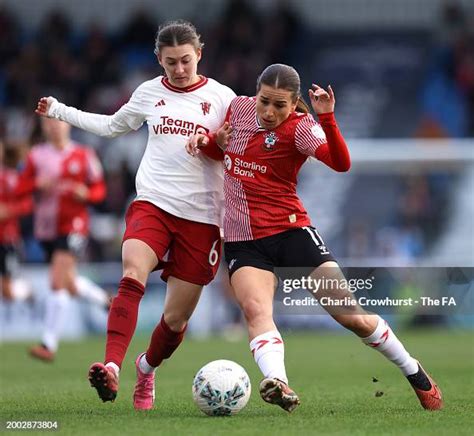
<point>176,211</point>
<point>65,177</point>
<point>264,143</point>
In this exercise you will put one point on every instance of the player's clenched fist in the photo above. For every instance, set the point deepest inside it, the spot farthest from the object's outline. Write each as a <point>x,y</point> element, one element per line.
<point>223,135</point>
<point>44,104</point>
<point>195,142</point>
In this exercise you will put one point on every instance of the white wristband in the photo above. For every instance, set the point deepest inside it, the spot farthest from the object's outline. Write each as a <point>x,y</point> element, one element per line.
<point>53,111</point>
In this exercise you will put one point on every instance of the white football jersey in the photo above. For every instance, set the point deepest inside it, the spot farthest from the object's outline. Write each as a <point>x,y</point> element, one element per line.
<point>185,186</point>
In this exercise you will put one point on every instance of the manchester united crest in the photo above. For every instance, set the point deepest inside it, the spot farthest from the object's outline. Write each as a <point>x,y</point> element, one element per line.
<point>206,107</point>
<point>270,141</point>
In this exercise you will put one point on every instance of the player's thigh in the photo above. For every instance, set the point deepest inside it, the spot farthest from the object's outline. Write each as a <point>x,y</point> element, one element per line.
<point>248,254</point>
<point>195,253</point>
<point>304,254</point>
<point>138,259</point>
<point>146,239</point>
<point>63,269</point>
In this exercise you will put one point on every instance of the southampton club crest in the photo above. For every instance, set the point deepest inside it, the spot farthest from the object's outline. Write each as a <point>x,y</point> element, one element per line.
<point>270,141</point>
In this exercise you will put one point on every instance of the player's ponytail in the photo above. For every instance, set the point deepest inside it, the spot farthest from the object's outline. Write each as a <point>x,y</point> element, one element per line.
<point>281,76</point>
<point>302,106</point>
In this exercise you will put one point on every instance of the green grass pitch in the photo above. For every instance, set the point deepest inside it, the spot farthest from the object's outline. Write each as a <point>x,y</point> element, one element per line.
<point>333,374</point>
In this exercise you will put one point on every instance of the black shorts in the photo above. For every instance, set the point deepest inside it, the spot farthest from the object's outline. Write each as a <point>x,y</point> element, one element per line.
<point>300,248</point>
<point>8,260</point>
<point>75,243</point>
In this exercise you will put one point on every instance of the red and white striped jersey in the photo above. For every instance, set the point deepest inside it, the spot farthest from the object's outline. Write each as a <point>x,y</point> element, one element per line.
<point>261,168</point>
<point>58,211</point>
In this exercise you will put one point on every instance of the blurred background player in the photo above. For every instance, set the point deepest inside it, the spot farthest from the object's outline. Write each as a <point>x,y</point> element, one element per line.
<point>267,139</point>
<point>65,178</point>
<point>12,208</point>
<point>174,221</point>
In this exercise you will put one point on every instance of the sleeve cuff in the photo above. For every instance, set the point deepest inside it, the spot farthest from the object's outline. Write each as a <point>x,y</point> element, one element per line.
<point>55,109</point>
<point>327,117</point>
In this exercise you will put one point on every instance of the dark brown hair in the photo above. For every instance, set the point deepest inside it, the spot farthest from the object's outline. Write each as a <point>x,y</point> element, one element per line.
<point>12,155</point>
<point>281,76</point>
<point>174,33</point>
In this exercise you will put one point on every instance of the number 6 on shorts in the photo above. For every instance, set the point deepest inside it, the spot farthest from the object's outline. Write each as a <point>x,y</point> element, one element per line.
<point>214,254</point>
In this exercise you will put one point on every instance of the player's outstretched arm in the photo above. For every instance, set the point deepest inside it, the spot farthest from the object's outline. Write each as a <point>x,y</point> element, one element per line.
<point>129,117</point>
<point>335,153</point>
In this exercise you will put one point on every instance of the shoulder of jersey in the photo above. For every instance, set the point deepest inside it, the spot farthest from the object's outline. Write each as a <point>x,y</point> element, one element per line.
<point>150,83</point>
<point>214,82</point>
<point>303,118</point>
<point>243,99</point>
<point>298,117</point>
<point>298,120</point>
<point>242,103</point>
<point>223,88</point>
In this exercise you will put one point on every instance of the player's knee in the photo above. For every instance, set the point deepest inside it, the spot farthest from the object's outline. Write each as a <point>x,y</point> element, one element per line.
<point>254,310</point>
<point>176,321</point>
<point>135,272</point>
<point>131,272</point>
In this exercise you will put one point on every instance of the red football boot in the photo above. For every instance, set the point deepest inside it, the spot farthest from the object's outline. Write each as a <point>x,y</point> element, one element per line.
<point>41,352</point>
<point>105,380</point>
<point>430,399</point>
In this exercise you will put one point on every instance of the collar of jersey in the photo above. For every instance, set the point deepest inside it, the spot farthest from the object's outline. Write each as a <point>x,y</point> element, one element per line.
<point>202,81</point>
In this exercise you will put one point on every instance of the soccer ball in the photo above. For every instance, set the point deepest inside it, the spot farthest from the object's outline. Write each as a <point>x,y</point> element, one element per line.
<point>221,387</point>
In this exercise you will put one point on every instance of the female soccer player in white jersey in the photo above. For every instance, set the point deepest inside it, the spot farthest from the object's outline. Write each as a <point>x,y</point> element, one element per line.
<point>177,208</point>
<point>265,140</point>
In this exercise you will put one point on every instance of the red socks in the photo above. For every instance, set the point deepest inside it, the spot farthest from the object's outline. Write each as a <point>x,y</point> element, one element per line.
<point>123,319</point>
<point>163,343</point>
